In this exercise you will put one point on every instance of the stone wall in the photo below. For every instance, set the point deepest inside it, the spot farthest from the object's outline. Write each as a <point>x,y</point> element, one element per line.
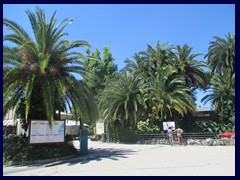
<point>194,142</point>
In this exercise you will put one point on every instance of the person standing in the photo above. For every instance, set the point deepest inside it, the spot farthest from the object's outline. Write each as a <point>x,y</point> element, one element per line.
<point>179,132</point>
<point>170,136</point>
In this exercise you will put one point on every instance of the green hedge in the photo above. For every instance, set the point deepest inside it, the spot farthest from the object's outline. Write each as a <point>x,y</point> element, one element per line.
<point>120,134</point>
<point>17,149</point>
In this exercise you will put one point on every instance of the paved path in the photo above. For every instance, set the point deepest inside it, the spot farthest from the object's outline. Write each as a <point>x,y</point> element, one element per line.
<point>108,159</point>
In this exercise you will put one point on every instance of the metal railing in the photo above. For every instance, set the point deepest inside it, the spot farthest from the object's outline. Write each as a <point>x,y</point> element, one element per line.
<point>192,135</point>
<point>201,135</point>
<point>162,137</point>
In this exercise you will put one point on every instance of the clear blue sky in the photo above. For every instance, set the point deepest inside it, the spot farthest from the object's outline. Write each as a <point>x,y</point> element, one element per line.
<point>127,29</point>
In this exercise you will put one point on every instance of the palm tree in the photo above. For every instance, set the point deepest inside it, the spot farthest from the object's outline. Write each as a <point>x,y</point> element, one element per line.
<point>121,99</point>
<point>222,94</point>
<point>168,93</point>
<point>221,54</point>
<point>189,67</point>
<point>138,65</point>
<point>40,69</point>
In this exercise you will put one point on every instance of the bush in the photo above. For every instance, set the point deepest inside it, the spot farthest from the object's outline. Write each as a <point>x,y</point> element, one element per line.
<point>17,149</point>
<point>147,127</point>
<point>211,126</point>
<point>120,134</point>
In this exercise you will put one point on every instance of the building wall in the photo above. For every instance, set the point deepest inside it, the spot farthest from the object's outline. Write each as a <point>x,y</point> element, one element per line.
<point>14,127</point>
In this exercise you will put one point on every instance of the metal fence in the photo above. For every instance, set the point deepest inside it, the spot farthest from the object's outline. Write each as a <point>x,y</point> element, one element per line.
<point>162,137</point>
<point>192,135</point>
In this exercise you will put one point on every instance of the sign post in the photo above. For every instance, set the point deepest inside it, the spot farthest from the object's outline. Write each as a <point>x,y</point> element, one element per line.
<point>83,141</point>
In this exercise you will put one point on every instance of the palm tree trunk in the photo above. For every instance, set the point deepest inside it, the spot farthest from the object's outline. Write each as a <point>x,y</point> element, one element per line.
<point>59,114</point>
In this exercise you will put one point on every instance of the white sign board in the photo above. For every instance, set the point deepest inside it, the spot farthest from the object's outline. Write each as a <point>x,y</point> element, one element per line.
<point>42,132</point>
<point>168,124</point>
<point>100,127</point>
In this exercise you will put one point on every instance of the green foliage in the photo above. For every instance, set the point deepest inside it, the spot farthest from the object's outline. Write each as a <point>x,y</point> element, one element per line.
<point>158,56</point>
<point>99,70</point>
<point>121,99</point>
<point>222,95</point>
<point>221,61</point>
<point>91,131</point>
<point>221,54</point>
<point>168,93</point>
<point>116,133</point>
<point>189,67</point>
<point>40,71</point>
<point>139,65</point>
<point>17,149</point>
<point>147,127</point>
<point>158,85</point>
<point>169,78</point>
<point>212,126</point>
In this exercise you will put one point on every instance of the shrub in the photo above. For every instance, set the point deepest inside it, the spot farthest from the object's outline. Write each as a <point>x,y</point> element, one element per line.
<point>211,126</point>
<point>147,127</point>
<point>17,149</point>
<point>122,134</point>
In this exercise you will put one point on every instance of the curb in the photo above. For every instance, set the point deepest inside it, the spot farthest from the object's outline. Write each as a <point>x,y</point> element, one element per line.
<point>45,161</point>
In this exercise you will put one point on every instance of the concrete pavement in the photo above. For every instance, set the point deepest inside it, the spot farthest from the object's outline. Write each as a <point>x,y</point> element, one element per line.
<point>110,159</point>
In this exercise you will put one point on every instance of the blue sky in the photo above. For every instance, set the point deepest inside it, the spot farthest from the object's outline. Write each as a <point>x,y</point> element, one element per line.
<point>127,29</point>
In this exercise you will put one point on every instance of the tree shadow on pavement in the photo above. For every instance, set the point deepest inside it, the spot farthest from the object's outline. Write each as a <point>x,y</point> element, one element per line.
<point>96,154</point>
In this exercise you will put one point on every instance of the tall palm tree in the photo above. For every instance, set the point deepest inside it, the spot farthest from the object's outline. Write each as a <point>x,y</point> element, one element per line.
<point>121,99</point>
<point>168,93</point>
<point>189,67</point>
<point>222,93</point>
<point>221,54</point>
<point>40,69</point>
